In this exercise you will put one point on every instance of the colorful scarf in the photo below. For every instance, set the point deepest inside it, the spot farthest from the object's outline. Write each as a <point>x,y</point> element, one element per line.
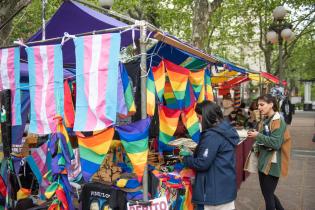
<point>45,68</point>
<point>68,105</point>
<point>93,151</point>
<point>130,102</point>
<point>208,87</point>
<point>97,62</point>
<point>159,79</point>
<point>150,94</point>
<point>134,138</point>
<point>178,77</point>
<point>10,79</point>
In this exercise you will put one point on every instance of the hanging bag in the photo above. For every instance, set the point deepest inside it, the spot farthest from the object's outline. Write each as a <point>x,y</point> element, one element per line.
<point>251,163</point>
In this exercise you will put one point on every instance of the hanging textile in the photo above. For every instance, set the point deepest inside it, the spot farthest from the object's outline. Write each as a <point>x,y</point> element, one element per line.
<point>159,79</point>
<point>68,105</point>
<point>134,138</point>
<point>128,93</point>
<point>190,120</point>
<point>237,96</point>
<point>208,86</point>
<point>178,77</point>
<point>169,96</point>
<point>197,80</point>
<point>5,107</point>
<point>45,69</point>
<point>93,150</point>
<point>168,123</point>
<point>121,102</point>
<point>150,94</point>
<point>10,79</point>
<point>97,62</point>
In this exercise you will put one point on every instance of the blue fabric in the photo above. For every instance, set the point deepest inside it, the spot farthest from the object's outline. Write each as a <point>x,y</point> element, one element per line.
<point>214,162</point>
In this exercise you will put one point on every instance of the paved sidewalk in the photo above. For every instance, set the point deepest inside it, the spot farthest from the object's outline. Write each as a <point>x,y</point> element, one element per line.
<point>297,191</point>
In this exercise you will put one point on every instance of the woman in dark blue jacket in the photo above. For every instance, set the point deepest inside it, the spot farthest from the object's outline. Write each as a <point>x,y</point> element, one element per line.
<point>214,160</point>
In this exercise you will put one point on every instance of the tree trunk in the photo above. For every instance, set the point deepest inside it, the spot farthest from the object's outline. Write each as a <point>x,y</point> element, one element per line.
<point>7,9</point>
<point>202,12</point>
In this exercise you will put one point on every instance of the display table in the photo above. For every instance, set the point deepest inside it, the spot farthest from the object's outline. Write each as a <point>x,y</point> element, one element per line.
<point>242,151</point>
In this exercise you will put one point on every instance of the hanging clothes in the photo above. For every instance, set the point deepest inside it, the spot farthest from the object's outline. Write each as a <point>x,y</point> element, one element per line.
<point>10,80</point>
<point>97,61</point>
<point>45,69</point>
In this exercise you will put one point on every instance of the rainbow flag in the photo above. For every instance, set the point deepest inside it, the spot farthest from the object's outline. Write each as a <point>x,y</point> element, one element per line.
<point>197,79</point>
<point>68,105</point>
<point>169,96</point>
<point>208,87</point>
<point>191,122</point>
<point>134,138</point>
<point>159,79</point>
<point>97,63</point>
<point>178,77</point>
<point>168,123</point>
<point>128,93</point>
<point>150,94</point>
<point>10,79</point>
<point>93,150</point>
<point>45,69</point>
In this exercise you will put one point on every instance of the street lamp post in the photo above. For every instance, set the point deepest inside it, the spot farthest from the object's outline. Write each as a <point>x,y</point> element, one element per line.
<point>280,31</point>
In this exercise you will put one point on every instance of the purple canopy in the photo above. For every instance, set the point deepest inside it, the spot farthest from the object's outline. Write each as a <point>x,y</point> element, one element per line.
<point>75,18</point>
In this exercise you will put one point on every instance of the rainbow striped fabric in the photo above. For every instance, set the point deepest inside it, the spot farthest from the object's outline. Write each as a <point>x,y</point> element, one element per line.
<point>134,138</point>
<point>178,77</point>
<point>191,122</point>
<point>237,96</point>
<point>159,79</point>
<point>93,150</point>
<point>197,80</point>
<point>208,87</point>
<point>128,93</point>
<point>168,123</point>
<point>10,79</point>
<point>169,96</point>
<point>45,69</point>
<point>150,94</point>
<point>97,63</point>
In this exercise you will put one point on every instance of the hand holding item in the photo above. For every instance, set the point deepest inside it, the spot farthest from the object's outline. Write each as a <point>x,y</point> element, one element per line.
<point>252,134</point>
<point>184,151</point>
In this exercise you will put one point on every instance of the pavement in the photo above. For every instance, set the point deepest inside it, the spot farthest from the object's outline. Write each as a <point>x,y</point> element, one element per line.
<point>297,190</point>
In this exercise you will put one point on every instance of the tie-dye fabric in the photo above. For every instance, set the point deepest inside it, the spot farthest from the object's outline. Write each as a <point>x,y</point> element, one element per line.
<point>10,79</point>
<point>134,138</point>
<point>45,68</point>
<point>93,150</point>
<point>97,63</point>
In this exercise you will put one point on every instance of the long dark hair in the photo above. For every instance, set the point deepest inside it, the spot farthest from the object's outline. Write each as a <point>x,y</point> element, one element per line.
<point>211,114</point>
<point>270,99</point>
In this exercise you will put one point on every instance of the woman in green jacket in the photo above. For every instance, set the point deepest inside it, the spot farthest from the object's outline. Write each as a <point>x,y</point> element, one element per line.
<point>269,141</point>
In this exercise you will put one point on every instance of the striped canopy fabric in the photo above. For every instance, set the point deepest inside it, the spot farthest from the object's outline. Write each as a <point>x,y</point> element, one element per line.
<point>134,138</point>
<point>93,150</point>
<point>97,63</point>
<point>10,79</point>
<point>150,94</point>
<point>45,68</point>
<point>178,77</point>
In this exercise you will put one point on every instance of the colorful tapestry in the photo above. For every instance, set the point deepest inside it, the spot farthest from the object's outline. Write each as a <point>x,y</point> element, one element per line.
<point>178,77</point>
<point>93,150</point>
<point>150,94</point>
<point>134,138</point>
<point>97,63</point>
<point>237,96</point>
<point>45,69</point>
<point>197,80</point>
<point>128,93</point>
<point>159,79</point>
<point>190,120</point>
<point>208,87</point>
<point>168,123</point>
<point>10,79</point>
<point>68,105</point>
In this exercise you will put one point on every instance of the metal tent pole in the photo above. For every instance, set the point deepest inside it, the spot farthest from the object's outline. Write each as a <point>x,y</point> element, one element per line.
<point>44,2</point>
<point>143,67</point>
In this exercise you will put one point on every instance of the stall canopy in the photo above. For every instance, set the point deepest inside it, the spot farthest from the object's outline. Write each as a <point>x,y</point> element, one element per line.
<point>266,78</point>
<point>75,18</point>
